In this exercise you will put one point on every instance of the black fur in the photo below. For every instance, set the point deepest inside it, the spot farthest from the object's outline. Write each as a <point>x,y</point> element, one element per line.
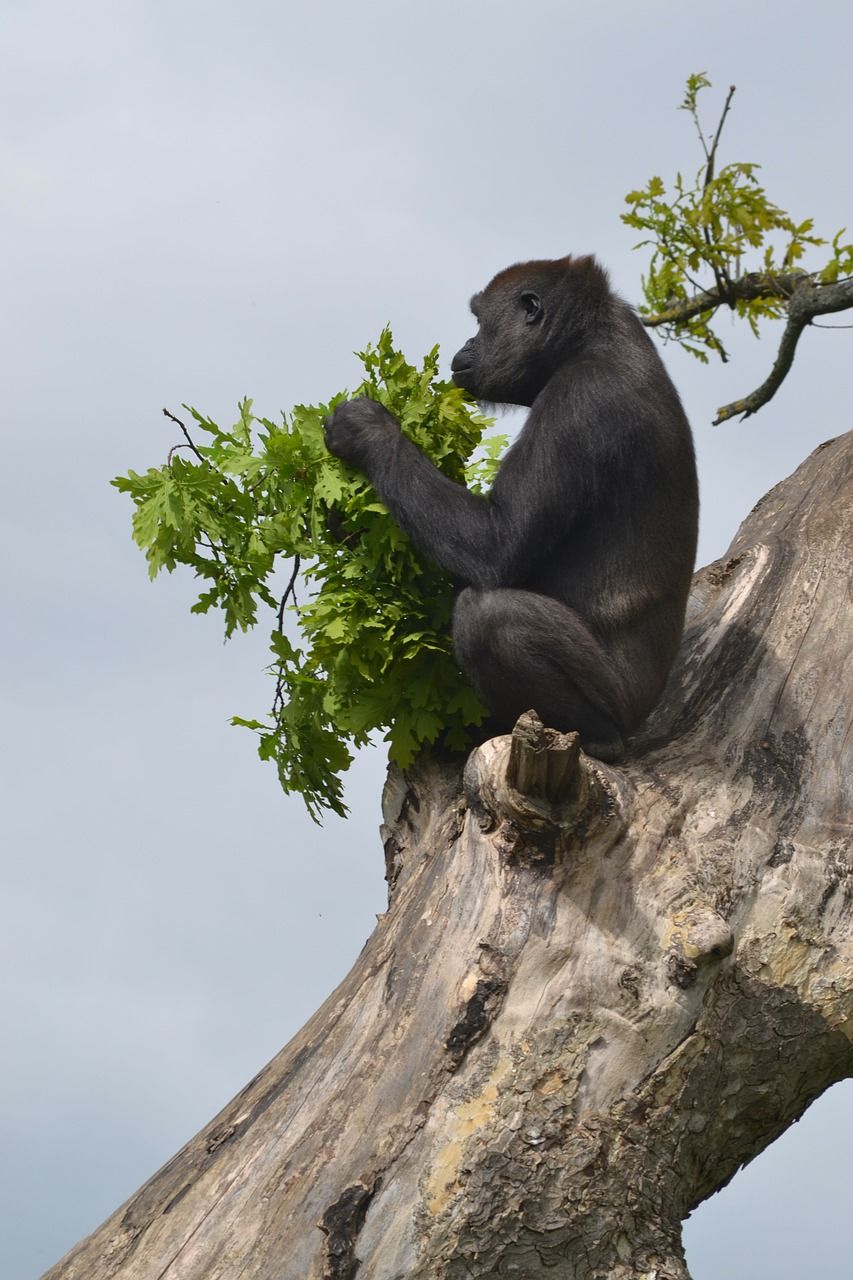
<point>575,569</point>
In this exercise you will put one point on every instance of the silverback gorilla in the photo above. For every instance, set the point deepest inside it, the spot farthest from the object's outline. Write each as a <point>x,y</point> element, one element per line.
<point>574,570</point>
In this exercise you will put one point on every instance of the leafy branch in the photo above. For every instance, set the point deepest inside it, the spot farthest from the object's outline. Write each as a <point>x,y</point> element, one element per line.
<point>716,226</point>
<point>368,649</point>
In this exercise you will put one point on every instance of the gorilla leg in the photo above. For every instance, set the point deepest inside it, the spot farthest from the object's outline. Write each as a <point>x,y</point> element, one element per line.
<point>522,650</point>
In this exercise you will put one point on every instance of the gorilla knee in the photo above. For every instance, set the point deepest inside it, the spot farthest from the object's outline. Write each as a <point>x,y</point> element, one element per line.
<point>476,625</point>
<point>468,630</point>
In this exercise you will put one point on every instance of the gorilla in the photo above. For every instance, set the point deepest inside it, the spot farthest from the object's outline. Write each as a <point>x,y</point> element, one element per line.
<point>573,572</point>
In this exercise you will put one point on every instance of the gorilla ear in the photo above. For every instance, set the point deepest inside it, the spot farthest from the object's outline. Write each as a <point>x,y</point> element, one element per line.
<point>533,309</point>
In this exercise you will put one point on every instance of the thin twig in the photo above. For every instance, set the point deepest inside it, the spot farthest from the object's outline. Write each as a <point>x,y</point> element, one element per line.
<point>174,449</point>
<point>667,253</point>
<point>709,171</point>
<point>289,594</point>
<point>189,445</point>
<point>189,439</point>
<point>721,276</point>
<point>695,114</point>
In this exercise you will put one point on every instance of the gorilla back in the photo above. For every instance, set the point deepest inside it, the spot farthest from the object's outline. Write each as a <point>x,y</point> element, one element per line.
<point>575,569</point>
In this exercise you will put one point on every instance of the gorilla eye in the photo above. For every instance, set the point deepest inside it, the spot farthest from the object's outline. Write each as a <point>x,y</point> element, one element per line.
<point>532,305</point>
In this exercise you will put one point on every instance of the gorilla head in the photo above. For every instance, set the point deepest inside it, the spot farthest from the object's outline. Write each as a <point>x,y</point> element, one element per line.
<point>532,317</point>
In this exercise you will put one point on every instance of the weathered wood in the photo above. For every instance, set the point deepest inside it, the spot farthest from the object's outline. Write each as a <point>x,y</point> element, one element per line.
<point>593,997</point>
<point>542,762</point>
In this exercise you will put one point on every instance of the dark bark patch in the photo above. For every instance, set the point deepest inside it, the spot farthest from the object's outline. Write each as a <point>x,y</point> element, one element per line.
<point>630,979</point>
<point>217,1138</point>
<point>783,852</point>
<point>778,764</point>
<point>839,879</point>
<point>179,1195</point>
<point>508,840</point>
<point>530,848</point>
<point>341,1224</point>
<point>718,574</point>
<point>477,1015</point>
<point>411,804</point>
<point>393,861</point>
<point>681,972</point>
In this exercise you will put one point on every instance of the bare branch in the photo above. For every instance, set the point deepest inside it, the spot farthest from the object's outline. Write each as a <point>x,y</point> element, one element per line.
<point>784,359</point>
<point>755,284</point>
<point>807,301</point>
<point>804,296</point>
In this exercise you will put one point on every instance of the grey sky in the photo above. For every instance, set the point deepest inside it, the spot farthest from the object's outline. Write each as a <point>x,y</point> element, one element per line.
<point>204,200</point>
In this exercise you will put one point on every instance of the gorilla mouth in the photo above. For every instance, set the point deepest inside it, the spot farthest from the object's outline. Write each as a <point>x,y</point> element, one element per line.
<point>462,364</point>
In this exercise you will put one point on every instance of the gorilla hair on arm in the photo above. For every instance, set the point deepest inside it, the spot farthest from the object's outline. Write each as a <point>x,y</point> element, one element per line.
<point>574,570</point>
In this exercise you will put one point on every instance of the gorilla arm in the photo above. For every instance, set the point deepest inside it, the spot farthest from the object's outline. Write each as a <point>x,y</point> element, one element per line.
<point>482,541</point>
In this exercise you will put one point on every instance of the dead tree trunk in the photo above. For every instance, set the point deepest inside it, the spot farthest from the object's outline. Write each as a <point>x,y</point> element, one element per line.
<point>596,992</point>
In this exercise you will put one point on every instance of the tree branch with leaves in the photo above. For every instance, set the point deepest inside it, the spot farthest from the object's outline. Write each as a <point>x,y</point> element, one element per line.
<point>719,225</point>
<point>368,649</point>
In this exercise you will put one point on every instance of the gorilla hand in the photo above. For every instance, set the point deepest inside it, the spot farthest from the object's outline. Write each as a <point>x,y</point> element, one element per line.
<point>358,428</point>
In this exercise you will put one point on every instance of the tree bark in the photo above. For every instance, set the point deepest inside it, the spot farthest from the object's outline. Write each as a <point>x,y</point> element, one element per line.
<point>597,991</point>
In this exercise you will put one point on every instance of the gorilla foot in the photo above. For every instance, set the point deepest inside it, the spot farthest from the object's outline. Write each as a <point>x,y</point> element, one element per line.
<point>610,751</point>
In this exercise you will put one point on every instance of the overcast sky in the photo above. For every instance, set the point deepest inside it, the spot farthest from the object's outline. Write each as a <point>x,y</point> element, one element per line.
<point>206,200</point>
